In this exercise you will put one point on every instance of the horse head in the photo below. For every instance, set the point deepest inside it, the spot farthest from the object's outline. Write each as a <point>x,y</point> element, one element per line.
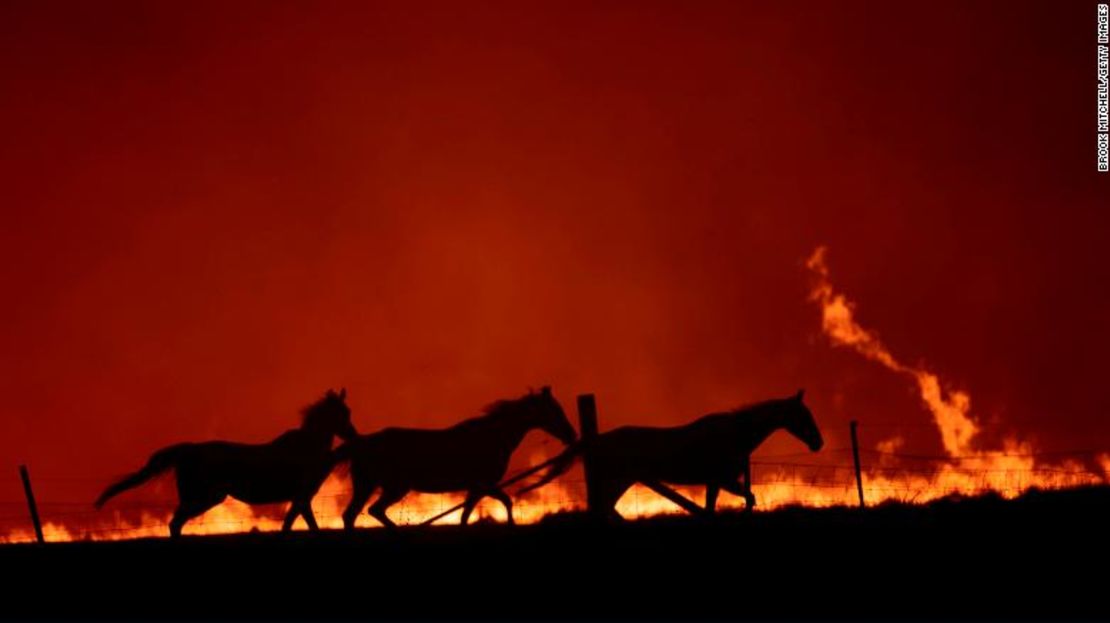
<point>549,416</point>
<point>331,415</point>
<point>800,422</point>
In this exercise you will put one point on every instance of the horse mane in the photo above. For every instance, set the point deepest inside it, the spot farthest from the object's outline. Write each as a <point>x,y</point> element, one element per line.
<point>493,412</point>
<point>505,406</point>
<point>753,408</point>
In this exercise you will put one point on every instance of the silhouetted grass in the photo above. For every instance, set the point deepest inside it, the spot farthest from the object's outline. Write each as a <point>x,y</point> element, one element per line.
<point>1039,556</point>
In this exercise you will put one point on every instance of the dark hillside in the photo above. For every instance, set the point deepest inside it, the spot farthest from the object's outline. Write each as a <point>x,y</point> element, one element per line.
<point>1042,556</point>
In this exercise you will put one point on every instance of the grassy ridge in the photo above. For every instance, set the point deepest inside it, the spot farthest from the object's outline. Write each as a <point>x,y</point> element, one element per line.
<point>1041,556</point>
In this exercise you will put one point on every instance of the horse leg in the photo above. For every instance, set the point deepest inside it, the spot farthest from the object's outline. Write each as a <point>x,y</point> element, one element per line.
<point>190,507</point>
<point>472,498</point>
<point>605,498</point>
<point>180,516</point>
<point>290,517</point>
<point>504,498</point>
<point>711,492</point>
<point>744,491</point>
<point>195,495</point>
<point>749,497</point>
<point>362,492</point>
<point>389,497</point>
<point>309,517</point>
<point>302,508</point>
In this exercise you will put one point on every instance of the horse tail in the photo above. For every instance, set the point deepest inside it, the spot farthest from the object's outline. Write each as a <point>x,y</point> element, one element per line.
<point>161,461</point>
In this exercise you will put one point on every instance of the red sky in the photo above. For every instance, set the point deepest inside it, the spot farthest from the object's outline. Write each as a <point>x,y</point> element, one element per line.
<point>213,212</point>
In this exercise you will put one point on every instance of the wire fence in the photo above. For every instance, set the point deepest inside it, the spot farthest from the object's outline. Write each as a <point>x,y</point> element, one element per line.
<point>777,480</point>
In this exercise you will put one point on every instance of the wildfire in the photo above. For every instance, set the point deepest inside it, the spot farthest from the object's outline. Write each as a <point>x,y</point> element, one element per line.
<point>1009,471</point>
<point>967,467</point>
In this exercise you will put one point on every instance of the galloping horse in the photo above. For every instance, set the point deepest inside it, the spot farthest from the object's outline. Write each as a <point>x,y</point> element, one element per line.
<point>289,468</point>
<point>714,451</point>
<point>470,456</point>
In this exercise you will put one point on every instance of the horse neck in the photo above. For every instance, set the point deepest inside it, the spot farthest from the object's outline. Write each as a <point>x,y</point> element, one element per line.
<point>316,435</point>
<point>509,430</point>
<point>762,424</point>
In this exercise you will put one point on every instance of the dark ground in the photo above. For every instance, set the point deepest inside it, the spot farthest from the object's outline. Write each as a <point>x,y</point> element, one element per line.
<point>1044,556</point>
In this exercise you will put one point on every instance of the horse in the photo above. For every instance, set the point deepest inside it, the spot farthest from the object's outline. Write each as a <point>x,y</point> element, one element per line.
<point>471,456</point>
<point>714,450</point>
<point>290,468</point>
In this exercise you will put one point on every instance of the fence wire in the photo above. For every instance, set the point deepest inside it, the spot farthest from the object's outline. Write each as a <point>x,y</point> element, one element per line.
<point>778,480</point>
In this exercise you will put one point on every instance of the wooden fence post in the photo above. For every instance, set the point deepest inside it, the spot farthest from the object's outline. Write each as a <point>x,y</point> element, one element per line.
<point>31,502</point>
<point>587,427</point>
<point>855,458</point>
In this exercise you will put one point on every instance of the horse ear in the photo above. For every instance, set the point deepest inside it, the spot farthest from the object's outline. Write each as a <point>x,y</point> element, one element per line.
<point>343,393</point>
<point>546,391</point>
<point>799,395</point>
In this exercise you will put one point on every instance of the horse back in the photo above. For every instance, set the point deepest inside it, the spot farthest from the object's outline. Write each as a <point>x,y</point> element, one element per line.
<point>403,445</point>
<point>654,440</point>
<point>689,454</point>
<point>430,460</point>
<point>705,429</point>
<point>289,451</point>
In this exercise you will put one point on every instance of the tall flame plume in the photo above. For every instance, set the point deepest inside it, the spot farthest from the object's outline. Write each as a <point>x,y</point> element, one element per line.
<point>1010,471</point>
<point>949,410</point>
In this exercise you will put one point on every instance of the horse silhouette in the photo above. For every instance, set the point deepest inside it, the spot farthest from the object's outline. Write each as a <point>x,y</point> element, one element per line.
<point>714,450</point>
<point>290,468</point>
<point>470,456</point>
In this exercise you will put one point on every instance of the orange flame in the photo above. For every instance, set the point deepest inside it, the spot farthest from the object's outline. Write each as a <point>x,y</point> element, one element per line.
<point>970,470</point>
<point>949,412</point>
<point>1009,471</point>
